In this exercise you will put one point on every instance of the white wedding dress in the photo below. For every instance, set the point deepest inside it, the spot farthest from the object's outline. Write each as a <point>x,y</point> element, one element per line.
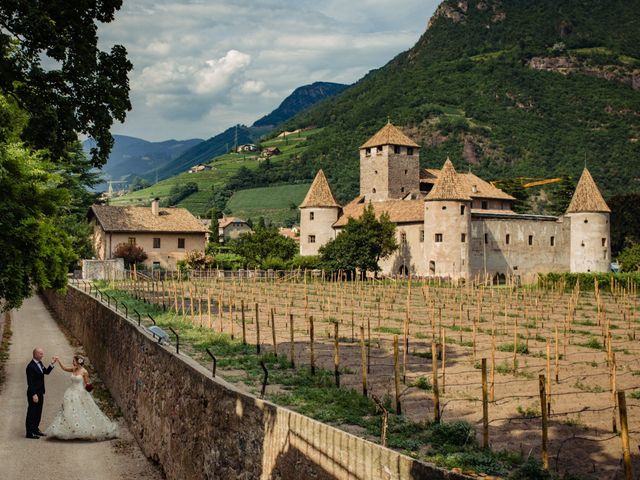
<point>80,417</point>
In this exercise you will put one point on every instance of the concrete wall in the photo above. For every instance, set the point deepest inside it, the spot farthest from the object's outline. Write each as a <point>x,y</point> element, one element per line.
<point>102,269</point>
<point>319,227</point>
<point>517,257</point>
<point>198,427</point>
<point>590,242</point>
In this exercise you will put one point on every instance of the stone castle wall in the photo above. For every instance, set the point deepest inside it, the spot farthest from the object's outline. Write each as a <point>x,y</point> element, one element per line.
<point>590,242</point>
<point>320,227</point>
<point>392,175</point>
<point>517,257</point>
<point>199,427</point>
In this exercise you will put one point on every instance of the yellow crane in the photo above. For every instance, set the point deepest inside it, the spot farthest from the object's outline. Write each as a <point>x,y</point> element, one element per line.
<point>530,182</point>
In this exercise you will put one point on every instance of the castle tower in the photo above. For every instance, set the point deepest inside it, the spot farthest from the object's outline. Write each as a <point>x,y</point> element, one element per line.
<point>590,249</point>
<point>389,165</point>
<point>447,226</point>
<point>318,212</point>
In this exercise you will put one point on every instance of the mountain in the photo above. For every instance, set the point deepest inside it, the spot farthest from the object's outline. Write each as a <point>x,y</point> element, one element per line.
<point>132,156</point>
<point>507,88</point>
<point>299,100</point>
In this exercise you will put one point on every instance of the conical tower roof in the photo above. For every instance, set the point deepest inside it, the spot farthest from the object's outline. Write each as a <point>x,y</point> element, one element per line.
<point>448,186</point>
<point>587,197</point>
<point>320,194</point>
<point>389,135</point>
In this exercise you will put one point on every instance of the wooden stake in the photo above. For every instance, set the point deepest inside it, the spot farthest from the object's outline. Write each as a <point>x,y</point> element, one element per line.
<point>244,325</point>
<point>444,358</point>
<point>363,355</point>
<point>396,372</point>
<point>273,332</point>
<point>257,330</point>
<point>311,350</point>
<point>485,406</point>
<point>292,346</point>
<point>436,393</point>
<point>336,353</point>
<point>543,408</point>
<point>624,436</point>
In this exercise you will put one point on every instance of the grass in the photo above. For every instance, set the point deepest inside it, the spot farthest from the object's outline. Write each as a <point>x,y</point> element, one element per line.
<point>635,395</point>
<point>594,343</point>
<point>276,203</point>
<point>422,383</point>
<point>393,330</point>
<point>528,412</point>
<point>588,388</point>
<point>521,348</point>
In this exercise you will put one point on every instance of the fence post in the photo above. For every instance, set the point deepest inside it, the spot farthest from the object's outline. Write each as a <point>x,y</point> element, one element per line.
<point>436,392</point>
<point>396,372</point>
<point>624,436</point>
<point>336,353</point>
<point>363,354</point>
<point>485,406</point>
<point>273,332</point>
<point>292,346</point>
<point>311,348</point>
<point>543,409</point>
<point>244,326</point>
<point>257,329</point>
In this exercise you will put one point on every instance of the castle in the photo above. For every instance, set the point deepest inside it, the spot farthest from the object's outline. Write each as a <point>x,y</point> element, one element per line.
<point>456,225</point>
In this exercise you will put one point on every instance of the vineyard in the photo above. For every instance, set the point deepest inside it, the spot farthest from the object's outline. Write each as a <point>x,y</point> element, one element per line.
<point>539,371</point>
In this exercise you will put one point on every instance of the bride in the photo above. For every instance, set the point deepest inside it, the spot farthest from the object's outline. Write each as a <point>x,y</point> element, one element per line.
<point>80,417</point>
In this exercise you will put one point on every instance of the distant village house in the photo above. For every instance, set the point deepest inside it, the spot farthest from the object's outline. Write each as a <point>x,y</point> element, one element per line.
<point>247,147</point>
<point>230,228</point>
<point>199,168</point>
<point>165,234</point>
<point>270,152</point>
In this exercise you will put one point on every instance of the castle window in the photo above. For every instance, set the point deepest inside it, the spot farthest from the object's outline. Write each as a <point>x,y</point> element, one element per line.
<point>507,238</point>
<point>396,149</point>
<point>156,243</point>
<point>485,205</point>
<point>432,267</point>
<point>461,209</point>
<point>604,242</point>
<point>403,237</point>
<point>311,215</point>
<point>444,207</point>
<point>530,239</point>
<point>402,189</point>
<point>486,238</point>
<point>373,190</point>
<point>438,238</point>
<point>409,150</point>
<point>367,152</point>
<point>181,243</point>
<point>586,221</point>
<point>375,171</point>
<point>552,241</point>
<point>312,239</point>
<point>406,171</point>
<point>474,189</point>
<point>422,235</point>
<point>463,238</point>
<point>132,240</point>
<point>378,150</point>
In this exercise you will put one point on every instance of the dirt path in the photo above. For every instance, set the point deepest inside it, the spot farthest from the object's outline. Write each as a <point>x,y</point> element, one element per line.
<point>21,458</point>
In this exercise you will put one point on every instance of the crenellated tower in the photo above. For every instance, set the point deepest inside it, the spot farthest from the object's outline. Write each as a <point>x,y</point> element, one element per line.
<point>389,165</point>
<point>590,249</point>
<point>318,212</point>
<point>447,226</point>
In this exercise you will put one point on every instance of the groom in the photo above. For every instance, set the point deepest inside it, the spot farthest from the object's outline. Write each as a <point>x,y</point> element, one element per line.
<point>35,392</point>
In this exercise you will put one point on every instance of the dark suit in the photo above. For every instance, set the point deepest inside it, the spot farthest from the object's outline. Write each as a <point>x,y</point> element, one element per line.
<point>35,386</point>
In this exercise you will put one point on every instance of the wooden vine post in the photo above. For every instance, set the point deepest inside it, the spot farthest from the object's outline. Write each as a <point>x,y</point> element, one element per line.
<point>311,348</point>
<point>336,353</point>
<point>396,372</point>
<point>624,436</point>
<point>436,393</point>
<point>273,332</point>
<point>543,409</point>
<point>257,329</point>
<point>363,356</point>
<point>292,344</point>
<point>485,406</point>
<point>244,325</point>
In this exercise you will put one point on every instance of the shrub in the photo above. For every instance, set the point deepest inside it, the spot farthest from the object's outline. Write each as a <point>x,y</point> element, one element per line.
<point>131,253</point>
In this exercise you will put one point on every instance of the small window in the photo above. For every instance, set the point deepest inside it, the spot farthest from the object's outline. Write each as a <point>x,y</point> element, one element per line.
<point>438,238</point>
<point>373,190</point>
<point>463,238</point>
<point>311,215</point>
<point>406,171</point>
<point>409,150</point>
<point>312,239</point>
<point>156,264</point>
<point>604,242</point>
<point>402,189</point>
<point>507,239</point>
<point>552,241</point>
<point>486,238</point>
<point>378,150</point>
<point>444,207</point>
<point>132,240</point>
<point>530,239</point>
<point>485,205</point>
<point>432,267</point>
<point>515,268</point>
<point>421,235</point>
<point>461,209</point>
<point>375,171</point>
<point>474,189</point>
<point>396,149</point>
<point>156,243</point>
<point>367,152</point>
<point>403,237</point>
<point>181,243</point>
<point>586,221</point>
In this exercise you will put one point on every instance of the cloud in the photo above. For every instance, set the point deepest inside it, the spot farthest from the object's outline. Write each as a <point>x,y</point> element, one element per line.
<point>200,66</point>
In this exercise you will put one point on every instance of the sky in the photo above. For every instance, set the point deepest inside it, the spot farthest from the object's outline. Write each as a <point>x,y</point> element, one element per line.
<point>202,66</point>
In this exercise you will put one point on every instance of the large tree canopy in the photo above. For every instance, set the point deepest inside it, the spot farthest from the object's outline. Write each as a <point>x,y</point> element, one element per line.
<point>361,244</point>
<point>50,63</point>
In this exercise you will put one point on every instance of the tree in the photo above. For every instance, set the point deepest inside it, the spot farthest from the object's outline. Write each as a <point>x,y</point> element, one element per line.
<point>50,63</point>
<point>629,258</point>
<point>361,244</point>
<point>515,189</point>
<point>131,253</point>
<point>262,244</point>
<point>214,228</point>
<point>561,196</point>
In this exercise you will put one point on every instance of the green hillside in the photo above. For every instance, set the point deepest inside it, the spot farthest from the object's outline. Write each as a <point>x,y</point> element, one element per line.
<point>225,169</point>
<point>484,85</point>
<point>279,204</point>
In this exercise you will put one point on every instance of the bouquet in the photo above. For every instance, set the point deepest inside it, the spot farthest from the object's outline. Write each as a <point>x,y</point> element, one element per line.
<point>88,387</point>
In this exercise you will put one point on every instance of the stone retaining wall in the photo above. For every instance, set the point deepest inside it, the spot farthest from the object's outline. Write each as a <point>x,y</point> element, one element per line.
<point>198,427</point>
